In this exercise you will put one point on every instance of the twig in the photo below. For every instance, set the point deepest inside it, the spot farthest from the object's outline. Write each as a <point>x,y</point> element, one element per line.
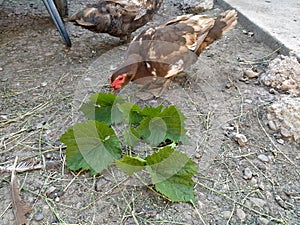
<point>32,156</point>
<point>73,179</point>
<point>199,215</point>
<point>104,194</point>
<point>23,167</point>
<point>20,208</point>
<point>256,61</point>
<point>231,214</point>
<point>28,113</point>
<point>242,205</point>
<point>5,210</point>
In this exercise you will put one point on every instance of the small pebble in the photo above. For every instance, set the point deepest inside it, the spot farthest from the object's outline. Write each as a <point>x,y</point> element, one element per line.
<point>112,67</point>
<point>50,190</point>
<point>261,186</point>
<point>225,187</point>
<point>285,132</point>
<point>247,174</point>
<point>261,166</point>
<point>198,156</point>
<point>31,199</point>
<point>269,195</point>
<point>272,125</point>
<point>248,101</point>
<point>228,128</point>
<point>229,85</point>
<point>240,139</point>
<point>250,73</point>
<point>39,216</point>
<point>44,84</point>
<point>239,59</point>
<point>201,205</point>
<point>5,117</point>
<point>243,79</point>
<point>39,125</point>
<point>253,181</point>
<point>1,68</point>
<point>57,199</point>
<point>87,79</point>
<point>49,53</point>
<point>263,158</point>
<point>226,214</point>
<point>272,91</point>
<point>48,156</point>
<point>240,214</point>
<point>250,34</point>
<point>280,141</point>
<point>123,47</point>
<point>263,221</point>
<point>258,201</point>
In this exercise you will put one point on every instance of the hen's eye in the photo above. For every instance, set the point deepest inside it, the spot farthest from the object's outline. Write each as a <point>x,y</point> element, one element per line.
<point>120,78</point>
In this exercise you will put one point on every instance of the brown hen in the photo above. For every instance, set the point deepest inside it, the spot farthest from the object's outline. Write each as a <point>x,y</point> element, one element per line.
<point>168,49</point>
<point>118,18</point>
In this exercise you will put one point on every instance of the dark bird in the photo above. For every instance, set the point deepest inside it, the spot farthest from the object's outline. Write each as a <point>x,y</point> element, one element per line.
<point>168,49</point>
<point>51,7</point>
<point>118,18</point>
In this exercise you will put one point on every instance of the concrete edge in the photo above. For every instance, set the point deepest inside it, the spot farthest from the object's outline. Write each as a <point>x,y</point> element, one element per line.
<point>260,34</point>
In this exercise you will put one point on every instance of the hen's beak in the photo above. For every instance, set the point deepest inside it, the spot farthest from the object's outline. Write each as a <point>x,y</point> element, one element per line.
<point>57,21</point>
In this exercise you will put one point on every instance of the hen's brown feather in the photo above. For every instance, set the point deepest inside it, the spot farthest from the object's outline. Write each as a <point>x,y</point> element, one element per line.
<point>116,17</point>
<point>170,48</point>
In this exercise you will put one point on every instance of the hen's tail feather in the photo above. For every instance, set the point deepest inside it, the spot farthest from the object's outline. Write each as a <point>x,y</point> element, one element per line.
<point>224,22</point>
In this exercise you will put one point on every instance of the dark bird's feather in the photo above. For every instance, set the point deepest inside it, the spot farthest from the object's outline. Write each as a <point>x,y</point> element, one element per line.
<point>116,17</point>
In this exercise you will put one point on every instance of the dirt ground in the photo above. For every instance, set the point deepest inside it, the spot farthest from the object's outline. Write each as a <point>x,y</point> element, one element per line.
<point>42,84</point>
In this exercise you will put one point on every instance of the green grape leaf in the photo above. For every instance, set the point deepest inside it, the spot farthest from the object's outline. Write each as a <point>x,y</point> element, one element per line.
<point>131,137</point>
<point>103,108</point>
<point>151,111</point>
<point>174,121</point>
<point>91,146</point>
<point>130,164</point>
<point>131,112</point>
<point>171,172</point>
<point>162,125</point>
<point>153,130</point>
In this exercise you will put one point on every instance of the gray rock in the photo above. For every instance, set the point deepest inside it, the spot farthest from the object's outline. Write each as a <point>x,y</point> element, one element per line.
<point>249,73</point>
<point>226,214</point>
<point>39,216</point>
<point>253,181</point>
<point>247,174</point>
<point>272,125</point>
<point>261,166</point>
<point>241,139</point>
<point>195,7</point>
<point>258,201</point>
<point>280,141</point>
<point>263,158</point>
<point>263,221</point>
<point>286,133</point>
<point>240,214</point>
